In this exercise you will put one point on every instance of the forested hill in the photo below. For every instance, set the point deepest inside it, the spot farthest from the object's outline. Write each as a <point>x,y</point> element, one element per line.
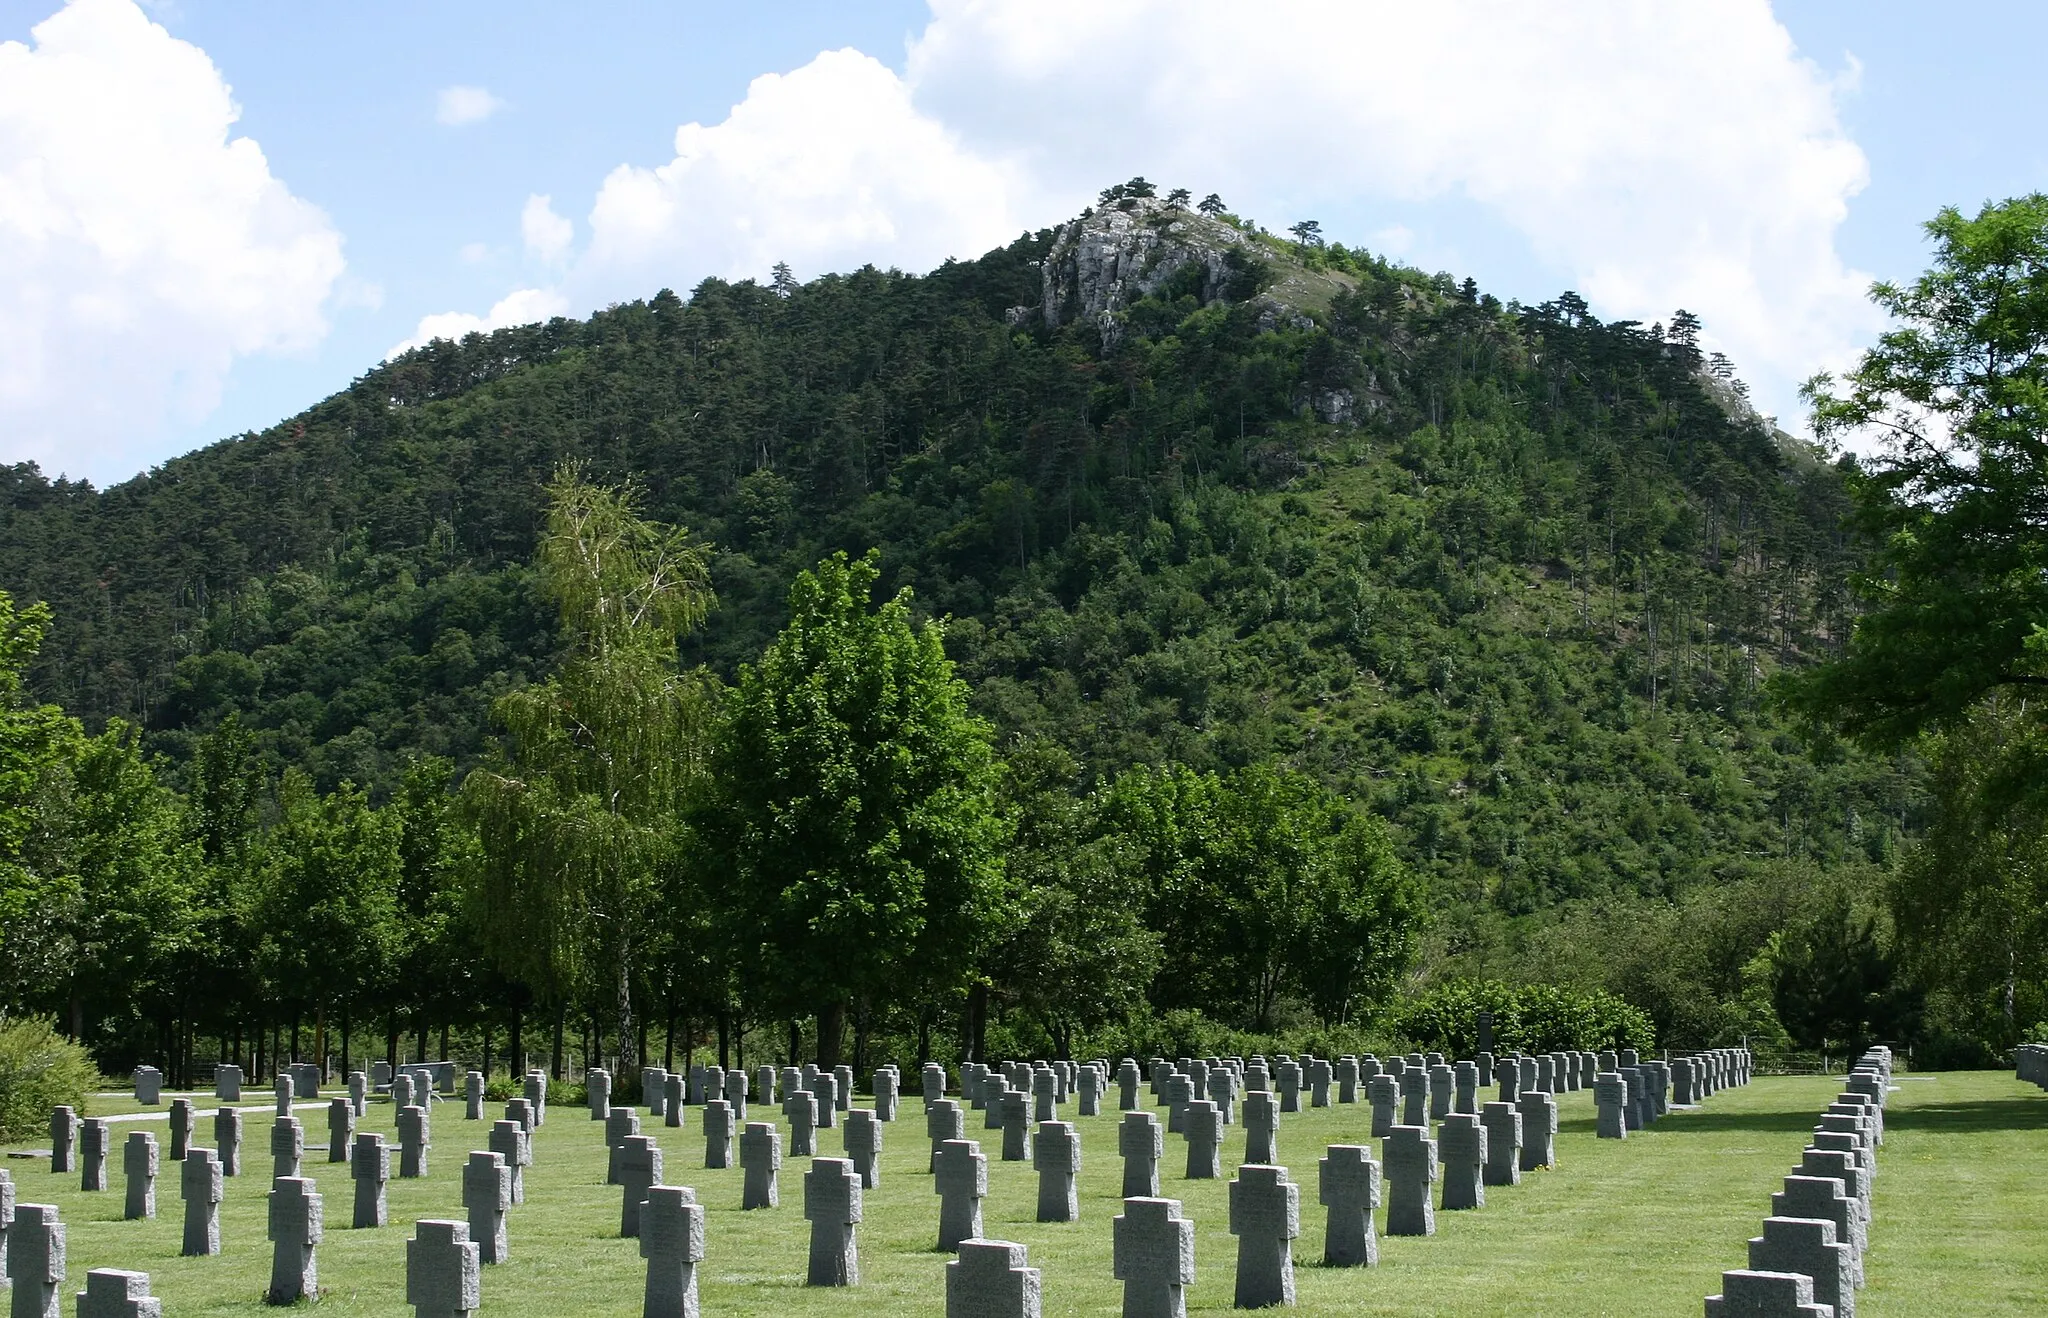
<point>1188,492</point>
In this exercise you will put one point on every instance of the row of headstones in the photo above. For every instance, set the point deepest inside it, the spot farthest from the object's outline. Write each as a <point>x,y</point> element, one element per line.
<point>1808,1263</point>
<point>2031,1063</point>
<point>1629,1094</point>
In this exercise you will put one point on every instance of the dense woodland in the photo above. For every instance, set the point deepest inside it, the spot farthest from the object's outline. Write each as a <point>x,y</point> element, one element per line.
<point>1513,611</point>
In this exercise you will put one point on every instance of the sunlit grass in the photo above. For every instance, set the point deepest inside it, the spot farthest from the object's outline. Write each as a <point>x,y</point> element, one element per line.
<point>1642,1226</point>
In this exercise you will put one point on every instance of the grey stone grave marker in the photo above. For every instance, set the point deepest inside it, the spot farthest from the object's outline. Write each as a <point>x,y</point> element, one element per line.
<point>654,1089</point>
<point>736,1089</point>
<point>832,1205</point>
<point>1410,1170</point>
<point>639,1171</point>
<point>486,1197</point>
<point>1384,1093</point>
<point>295,1227</point>
<point>227,1083</point>
<point>801,1107</point>
<point>761,1160</point>
<point>138,1165</point>
<point>227,1139</point>
<point>1750,1294</point>
<point>149,1086</point>
<point>1442,1090</point>
<point>1461,1146</point>
<point>1539,1130</point>
<point>960,1179</point>
<point>991,1280</point>
<point>1503,1122</point>
<point>862,1140</point>
<point>287,1146</point>
<point>1056,1156</point>
<point>359,1092</point>
<point>672,1101</point>
<point>943,1120</point>
<point>620,1123</point>
<point>93,1134</point>
<point>885,1094</point>
<point>63,1139</point>
<point>341,1128</point>
<point>826,1089</point>
<point>473,1099</point>
<point>1465,1087</point>
<point>182,1117</point>
<point>1827,1201</point>
<point>369,1166</point>
<point>199,1184</point>
<point>510,1141</point>
<point>413,1143</point>
<point>672,1242</point>
<point>1204,1133</point>
<point>718,1126</point>
<point>1261,1128</point>
<point>1016,1112</point>
<point>1154,1257</point>
<point>284,1091</point>
<point>1141,1142</point>
<point>1347,1079</point>
<point>1610,1101</point>
<point>1348,1184</point>
<point>35,1260</point>
<point>1414,1097</point>
<point>115,1293</point>
<point>597,1087</point>
<point>1265,1216</point>
<point>443,1269</point>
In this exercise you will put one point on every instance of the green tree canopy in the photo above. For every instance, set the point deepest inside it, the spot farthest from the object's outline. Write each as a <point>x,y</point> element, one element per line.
<point>855,807</point>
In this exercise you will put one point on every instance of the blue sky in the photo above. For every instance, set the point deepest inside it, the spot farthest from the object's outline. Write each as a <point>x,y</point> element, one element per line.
<point>161,287</point>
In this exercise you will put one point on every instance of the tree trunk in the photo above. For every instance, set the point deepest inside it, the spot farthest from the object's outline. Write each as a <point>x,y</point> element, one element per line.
<point>976,1042</point>
<point>668,1037</point>
<point>625,1060</point>
<point>344,1043</point>
<point>515,1058</point>
<point>831,1024</point>
<point>561,1025</point>
<point>796,1042</point>
<point>924,1037</point>
<point>724,1039</point>
<point>391,1039</point>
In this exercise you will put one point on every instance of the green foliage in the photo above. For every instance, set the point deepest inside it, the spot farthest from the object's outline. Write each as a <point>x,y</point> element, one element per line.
<point>854,806</point>
<point>579,822</point>
<point>39,1069</point>
<point>1526,1017</point>
<point>1835,989</point>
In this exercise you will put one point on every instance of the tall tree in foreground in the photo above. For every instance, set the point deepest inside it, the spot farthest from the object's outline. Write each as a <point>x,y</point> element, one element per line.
<point>855,812</point>
<point>579,822</point>
<point>1954,642</point>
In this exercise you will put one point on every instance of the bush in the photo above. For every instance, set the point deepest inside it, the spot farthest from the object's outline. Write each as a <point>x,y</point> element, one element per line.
<point>1530,1018</point>
<point>39,1069</point>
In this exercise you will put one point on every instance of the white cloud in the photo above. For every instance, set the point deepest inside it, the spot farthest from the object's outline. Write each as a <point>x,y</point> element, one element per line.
<point>1653,155</point>
<point>142,247</point>
<point>547,234</point>
<point>459,106</point>
<point>522,306</point>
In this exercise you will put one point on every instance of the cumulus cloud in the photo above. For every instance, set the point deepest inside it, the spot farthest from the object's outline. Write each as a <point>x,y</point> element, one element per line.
<point>522,306</point>
<point>547,234</point>
<point>143,248</point>
<point>459,106</point>
<point>1652,155</point>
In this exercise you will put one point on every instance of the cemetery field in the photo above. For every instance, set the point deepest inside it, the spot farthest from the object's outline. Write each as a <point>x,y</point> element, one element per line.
<point>1639,1226</point>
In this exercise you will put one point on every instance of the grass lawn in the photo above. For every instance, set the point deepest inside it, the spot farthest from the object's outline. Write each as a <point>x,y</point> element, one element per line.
<point>1641,1226</point>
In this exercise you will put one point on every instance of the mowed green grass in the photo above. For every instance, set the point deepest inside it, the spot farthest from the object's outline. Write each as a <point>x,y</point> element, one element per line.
<point>1641,1226</point>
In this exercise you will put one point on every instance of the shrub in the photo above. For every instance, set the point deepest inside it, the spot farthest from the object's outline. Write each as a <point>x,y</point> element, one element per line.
<point>39,1069</point>
<point>1533,1018</point>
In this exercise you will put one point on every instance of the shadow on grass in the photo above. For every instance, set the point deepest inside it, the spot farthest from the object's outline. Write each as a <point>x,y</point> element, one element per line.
<point>1981,1115</point>
<point>1680,1125</point>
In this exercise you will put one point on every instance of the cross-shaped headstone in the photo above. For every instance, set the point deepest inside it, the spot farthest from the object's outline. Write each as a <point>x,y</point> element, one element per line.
<point>359,1093</point>
<point>1834,1164</point>
<point>473,1096</point>
<point>1347,1079</point>
<point>1128,1078</point>
<point>199,1184</point>
<point>672,1105</point>
<point>443,1270</point>
<point>1287,1078</point>
<point>1750,1294</point>
<point>341,1129</point>
<point>521,1111</point>
<point>511,1142</point>
<point>295,1228</point>
<point>826,1089</point>
<point>412,1142</point>
<point>1539,1129</point>
<point>369,1166</point>
<point>619,1124</point>
<point>1414,1096</point>
<point>1610,1102</point>
<point>832,1205</point>
<point>138,1166</point>
<point>1204,1132</point>
<point>639,1169</point>
<point>63,1139</point>
<point>1410,1170</point>
<point>283,1091</point>
<point>1261,1127</point>
<point>1016,1107</point>
<point>1154,1257</point>
<point>227,1083</point>
<point>943,1120</point>
<point>1384,1093</point>
<point>93,1135</point>
<point>227,1139</point>
<point>761,1160</point>
<point>1348,1184</point>
<point>536,1095</point>
<point>287,1146</point>
<point>1825,1199</point>
<point>801,1108</point>
<point>1320,1074</point>
<point>862,1140</point>
<point>35,1260</point>
<point>1461,1146</point>
<point>1056,1155</point>
<point>960,1179</point>
<point>718,1128</point>
<point>672,1242</point>
<point>486,1197</point>
<point>654,1088</point>
<point>1442,1089</point>
<point>737,1087</point>
<point>1179,1092</point>
<point>182,1117</point>
<point>884,1082</point>
<point>597,1090</point>
<point>1508,1076</point>
<point>113,1293</point>
<point>1265,1216</point>
<point>1141,1141</point>
<point>990,1280</point>
<point>1088,1086</point>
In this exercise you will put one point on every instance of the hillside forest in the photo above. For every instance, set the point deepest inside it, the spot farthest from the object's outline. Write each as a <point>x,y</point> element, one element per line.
<point>911,665</point>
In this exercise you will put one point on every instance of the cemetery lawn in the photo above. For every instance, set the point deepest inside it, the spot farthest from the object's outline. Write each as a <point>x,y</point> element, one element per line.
<point>1639,1226</point>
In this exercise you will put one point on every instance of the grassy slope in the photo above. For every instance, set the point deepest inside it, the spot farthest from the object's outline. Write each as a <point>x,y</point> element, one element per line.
<point>1644,1226</point>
